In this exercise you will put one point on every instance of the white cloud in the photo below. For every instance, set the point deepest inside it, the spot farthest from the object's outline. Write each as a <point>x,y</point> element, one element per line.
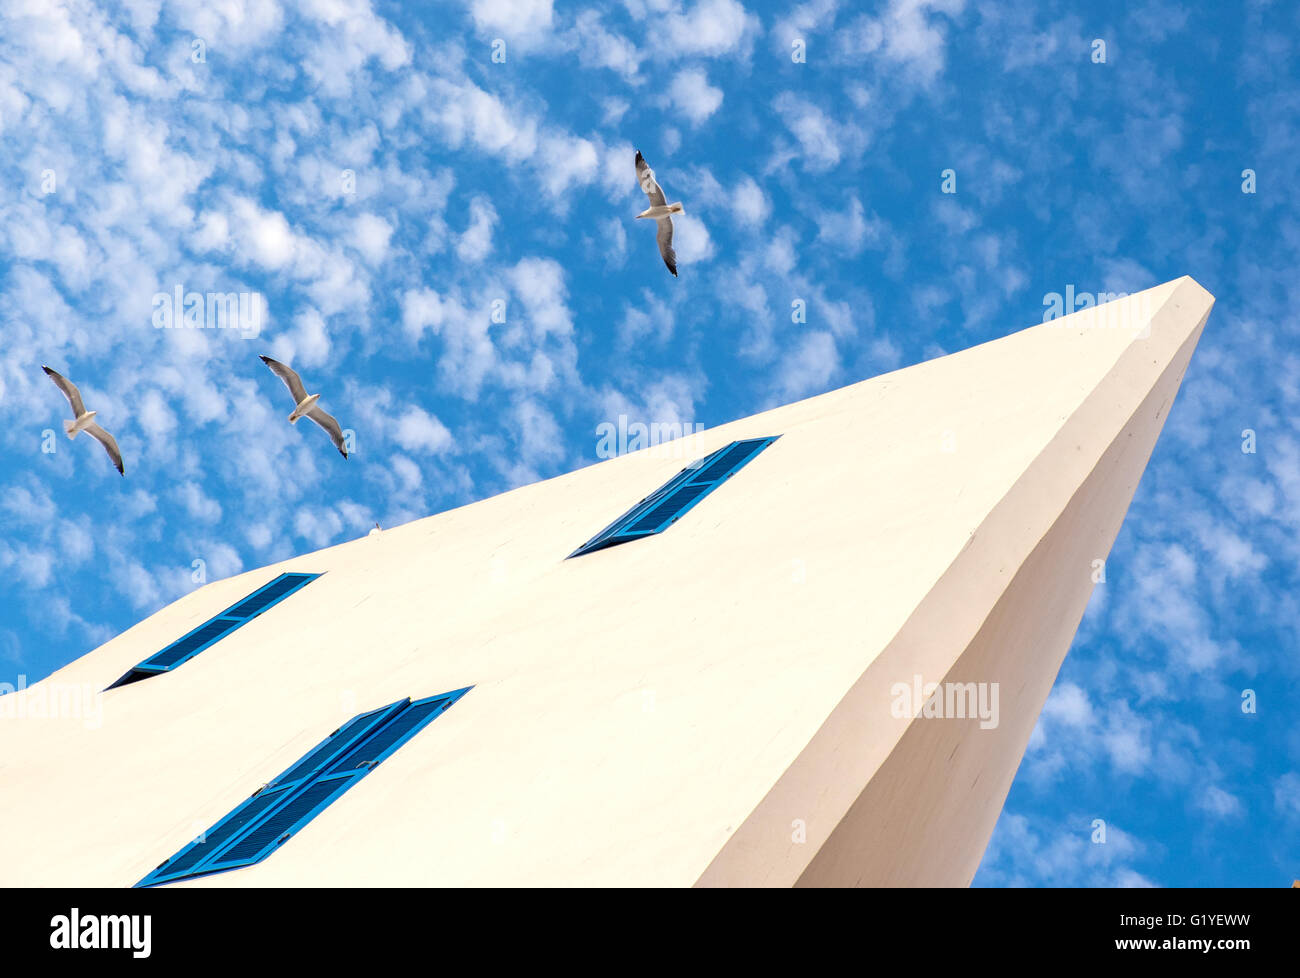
<point>76,542</point>
<point>1068,706</point>
<point>221,559</point>
<point>539,284</point>
<point>749,203</point>
<point>137,585</point>
<point>475,243</point>
<point>600,48</point>
<point>265,236</point>
<point>155,414</point>
<point>613,109</point>
<point>1219,803</point>
<point>310,341</point>
<point>370,236</point>
<point>709,27</point>
<point>849,229</point>
<point>524,21</point>
<point>614,242</point>
<point>1035,850</point>
<point>954,218</point>
<point>31,505</point>
<point>1127,740</point>
<point>651,319</point>
<point>417,430</point>
<point>908,35</point>
<point>351,37</point>
<point>319,526</point>
<point>465,114</point>
<point>666,400</point>
<point>197,504</point>
<point>1286,795</point>
<point>691,240</point>
<point>815,131</point>
<point>539,437</point>
<point>567,162</point>
<point>1130,879</point>
<point>808,368</point>
<point>803,21</point>
<point>694,96</point>
<point>408,474</point>
<point>421,309</point>
<point>236,24</point>
<point>213,233</point>
<point>1124,275</point>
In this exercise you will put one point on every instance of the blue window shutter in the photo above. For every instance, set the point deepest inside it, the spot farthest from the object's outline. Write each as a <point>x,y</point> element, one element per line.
<point>721,465</point>
<point>668,511</point>
<point>216,628</point>
<point>316,759</point>
<point>273,829</point>
<point>370,750</point>
<point>617,531</point>
<point>664,507</point>
<point>215,839</point>
<point>273,593</point>
<point>191,644</point>
<point>289,786</point>
<point>274,814</point>
<point>377,741</point>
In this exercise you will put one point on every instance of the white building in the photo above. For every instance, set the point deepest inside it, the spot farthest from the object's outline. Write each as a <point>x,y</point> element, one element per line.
<point>737,700</point>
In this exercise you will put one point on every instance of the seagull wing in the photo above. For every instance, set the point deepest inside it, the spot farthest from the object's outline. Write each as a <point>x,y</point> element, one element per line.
<point>291,379</point>
<point>69,391</point>
<point>665,239</point>
<point>327,422</point>
<point>110,446</point>
<point>646,177</point>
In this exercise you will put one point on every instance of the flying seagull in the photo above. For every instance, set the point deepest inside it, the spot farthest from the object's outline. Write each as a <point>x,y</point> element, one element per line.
<point>84,420</point>
<point>305,405</point>
<point>658,211</point>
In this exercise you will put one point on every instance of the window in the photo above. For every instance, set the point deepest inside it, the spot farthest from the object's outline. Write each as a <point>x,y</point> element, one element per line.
<point>281,808</point>
<point>663,508</point>
<point>187,647</point>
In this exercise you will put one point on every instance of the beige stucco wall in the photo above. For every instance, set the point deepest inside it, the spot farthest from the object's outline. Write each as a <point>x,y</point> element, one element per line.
<point>657,713</point>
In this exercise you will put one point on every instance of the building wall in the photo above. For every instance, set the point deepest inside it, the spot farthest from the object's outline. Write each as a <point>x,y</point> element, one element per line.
<point>657,713</point>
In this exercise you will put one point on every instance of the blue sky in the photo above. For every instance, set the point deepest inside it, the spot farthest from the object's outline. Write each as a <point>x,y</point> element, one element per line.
<point>132,166</point>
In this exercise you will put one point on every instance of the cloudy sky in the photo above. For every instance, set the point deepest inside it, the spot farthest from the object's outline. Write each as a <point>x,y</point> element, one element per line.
<point>429,208</point>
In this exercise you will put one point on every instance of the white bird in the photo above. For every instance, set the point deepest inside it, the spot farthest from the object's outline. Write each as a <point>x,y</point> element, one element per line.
<point>84,420</point>
<point>658,211</point>
<point>305,405</point>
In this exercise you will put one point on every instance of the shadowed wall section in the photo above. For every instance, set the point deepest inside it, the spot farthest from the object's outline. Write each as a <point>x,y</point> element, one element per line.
<point>927,810</point>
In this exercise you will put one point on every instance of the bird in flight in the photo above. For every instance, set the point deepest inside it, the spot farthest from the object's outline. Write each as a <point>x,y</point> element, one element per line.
<point>84,420</point>
<point>658,211</point>
<point>305,405</point>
